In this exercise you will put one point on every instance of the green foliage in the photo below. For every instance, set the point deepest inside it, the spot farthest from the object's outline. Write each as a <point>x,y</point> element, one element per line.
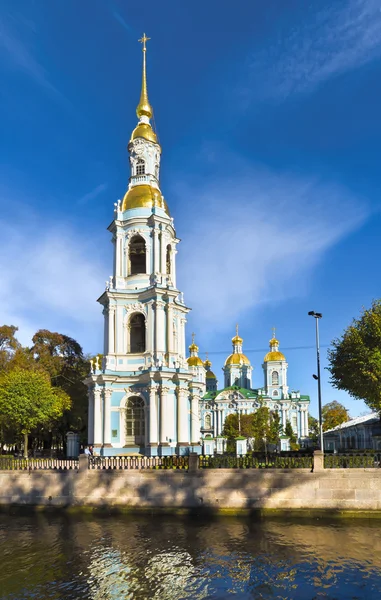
<point>260,425</point>
<point>313,427</point>
<point>333,414</point>
<point>62,357</point>
<point>28,401</point>
<point>355,358</point>
<point>289,432</point>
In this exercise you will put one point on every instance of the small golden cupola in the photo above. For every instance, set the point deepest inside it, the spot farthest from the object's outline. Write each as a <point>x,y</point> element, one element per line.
<point>209,373</point>
<point>274,353</point>
<point>237,357</point>
<point>144,149</point>
<point>194,360</point>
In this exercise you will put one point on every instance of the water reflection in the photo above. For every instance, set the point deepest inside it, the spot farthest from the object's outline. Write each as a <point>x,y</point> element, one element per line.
<point>56,557</point>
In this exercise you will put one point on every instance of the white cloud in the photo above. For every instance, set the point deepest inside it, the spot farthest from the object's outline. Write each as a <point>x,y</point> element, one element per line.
<point>50,278</point>
<point>255,238</point>
<point>329,42</point>
<point>99,189</point>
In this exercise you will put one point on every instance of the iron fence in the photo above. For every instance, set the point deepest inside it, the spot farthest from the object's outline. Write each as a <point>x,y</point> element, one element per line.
<point>37,464</point>
<point>353,460</point>
<point>139,462</point>
<point>258,460</point>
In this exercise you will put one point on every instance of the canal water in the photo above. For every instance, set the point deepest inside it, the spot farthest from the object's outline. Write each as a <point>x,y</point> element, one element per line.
<point>60,557</point>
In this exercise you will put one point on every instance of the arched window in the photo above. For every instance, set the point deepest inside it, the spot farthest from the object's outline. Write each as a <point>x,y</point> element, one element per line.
<point>137,334</point>
<point>168,260</point>
<point>137,255</point>
<point>135,421</point>
<point>275,378</point>
<point>140,167</point>
<point>208,421</point>
<point>275,393</point>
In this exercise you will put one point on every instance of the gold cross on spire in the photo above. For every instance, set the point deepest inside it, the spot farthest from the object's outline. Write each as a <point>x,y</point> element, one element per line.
<point>273,332</point>
<point>236,329</point>
<point>193,336</point>
<point>143,41</point>
<point>206,355</point>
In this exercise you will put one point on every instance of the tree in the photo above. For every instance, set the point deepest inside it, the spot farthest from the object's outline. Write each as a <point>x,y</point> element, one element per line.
<point>275,428</point>
<point>62,357</point>
<point>289,432</point>
<point>355,358</point>
<point>8,343</point>
<point>333,414</point>
<point>313,427</point>
<point>28,401</point>
<point>234,426</point>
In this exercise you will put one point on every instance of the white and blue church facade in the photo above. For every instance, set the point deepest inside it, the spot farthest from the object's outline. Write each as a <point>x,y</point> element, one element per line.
<point>239,397</point>
<point>145,396</point>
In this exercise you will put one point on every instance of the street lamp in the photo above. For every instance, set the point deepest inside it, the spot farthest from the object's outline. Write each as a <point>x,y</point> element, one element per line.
<point>318,316</point>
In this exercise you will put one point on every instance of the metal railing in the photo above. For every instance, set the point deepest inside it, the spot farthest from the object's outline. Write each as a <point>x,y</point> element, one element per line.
<point>258,460</point>
<point>37,464</point>
<point>353,460</point>
<point>139,462</point>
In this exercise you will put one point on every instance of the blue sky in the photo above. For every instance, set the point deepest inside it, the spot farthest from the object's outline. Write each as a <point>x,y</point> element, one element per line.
<point>268,115</point>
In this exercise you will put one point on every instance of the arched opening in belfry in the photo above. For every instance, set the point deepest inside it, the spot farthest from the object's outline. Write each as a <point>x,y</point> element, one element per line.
<point>140,167</point>
<point>135,421</point>
<point>208,421</point>
<point>137,334</point>
<point>168,260</point>
<point>137,255</point>
<point>275,378</point>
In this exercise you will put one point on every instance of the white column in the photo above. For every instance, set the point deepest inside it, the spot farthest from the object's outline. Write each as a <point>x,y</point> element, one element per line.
<point>174,267</point>
<point>106,331</point>
<point>169,329</point>
<point>90,422</point>
<point>182,350</point>
<point>111,329</point>
<point>97,417</point>
<point>107,416</point>
<point>182,416</point>
<point>160,329</point>
<point>195,421</point>
<point>119,330</point>
<point>164,417</point>
<point>153,424</point>
<point>163,246</point>
<point>156,251</point>
<point>306,422</point>
<point>118,255</point>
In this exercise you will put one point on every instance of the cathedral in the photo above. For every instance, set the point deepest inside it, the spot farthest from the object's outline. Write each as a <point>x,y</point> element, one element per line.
<point>145,396</point>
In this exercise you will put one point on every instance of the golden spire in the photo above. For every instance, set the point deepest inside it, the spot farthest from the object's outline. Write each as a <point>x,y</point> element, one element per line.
<point>273,341</point>
<point>273,332</point>
<point>144,107</point>
<point>236,329</point>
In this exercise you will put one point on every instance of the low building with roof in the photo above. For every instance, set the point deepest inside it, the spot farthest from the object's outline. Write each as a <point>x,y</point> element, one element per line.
<point>239,397</point>
<point>361,433</point>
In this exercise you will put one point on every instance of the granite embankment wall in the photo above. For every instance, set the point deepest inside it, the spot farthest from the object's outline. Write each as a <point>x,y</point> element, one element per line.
<point>216,489</point>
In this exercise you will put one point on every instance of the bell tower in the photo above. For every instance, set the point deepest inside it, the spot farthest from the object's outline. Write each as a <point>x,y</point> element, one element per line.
<point>141,396</point>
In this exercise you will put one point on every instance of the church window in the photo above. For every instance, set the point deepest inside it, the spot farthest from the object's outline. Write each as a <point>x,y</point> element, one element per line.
<point>208,421</point>
<point>275,393</point>
<point>140,167</point>
<point>168,260</point>
<point>275,378</point>
<point>137,255</point>
<point>135,421</point>
<point>137,334</point>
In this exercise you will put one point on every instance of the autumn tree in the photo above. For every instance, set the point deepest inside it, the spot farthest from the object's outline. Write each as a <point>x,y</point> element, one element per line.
<point>28,401</point>
<point>313,428</point>
<point>275,428</point>
<point>63,359</point>
<point>355,358</point>
<point>333,414</point>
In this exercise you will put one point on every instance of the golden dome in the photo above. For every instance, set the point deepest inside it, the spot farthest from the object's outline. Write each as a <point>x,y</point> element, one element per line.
<point>274,342</point>
<point>195,361</point>
<point>237,359</point>
<point>274,356</point>
<point>193,347</point>
<point>210,375</point>
<point>143,196</point>
<point>237,340</point>
<point>207,363</point>
<point>144,130</point>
